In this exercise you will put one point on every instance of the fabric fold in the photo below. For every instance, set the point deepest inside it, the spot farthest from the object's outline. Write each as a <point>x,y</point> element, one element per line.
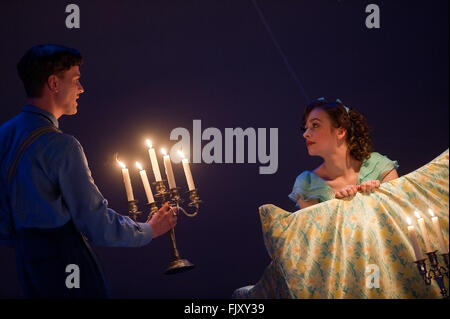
<point>336,249</point>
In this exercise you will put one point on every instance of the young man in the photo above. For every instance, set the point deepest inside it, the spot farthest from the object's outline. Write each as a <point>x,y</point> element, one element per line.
<point>49,203</point>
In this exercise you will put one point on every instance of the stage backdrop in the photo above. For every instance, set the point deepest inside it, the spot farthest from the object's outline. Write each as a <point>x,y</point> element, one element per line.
<point>153,66</point>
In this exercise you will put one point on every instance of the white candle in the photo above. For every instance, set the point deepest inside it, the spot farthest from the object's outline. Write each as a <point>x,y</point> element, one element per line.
<point>154,161</point>
<point>127,181</point>
<point>147,188</point>
<point>438,230</point>
<point>413,238</point>
<point>423,232</point>
<point>187,171</point>
<point>169,171</point>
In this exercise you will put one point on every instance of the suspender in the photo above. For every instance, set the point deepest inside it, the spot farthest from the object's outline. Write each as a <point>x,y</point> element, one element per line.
<point>23,147</point>
<point>88,259</point>
<point>12,171</point>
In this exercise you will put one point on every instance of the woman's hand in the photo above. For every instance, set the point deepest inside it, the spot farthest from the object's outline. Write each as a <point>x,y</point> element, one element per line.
<point>368,186</point>
<point>349,190</point>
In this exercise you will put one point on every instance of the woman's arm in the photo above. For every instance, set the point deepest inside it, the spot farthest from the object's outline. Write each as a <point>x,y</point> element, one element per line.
<point>370,186</point>
<point>389,176</point>
<point>304,203</point>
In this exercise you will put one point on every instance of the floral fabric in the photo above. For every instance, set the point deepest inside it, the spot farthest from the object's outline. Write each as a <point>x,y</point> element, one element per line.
<point>327,250</point>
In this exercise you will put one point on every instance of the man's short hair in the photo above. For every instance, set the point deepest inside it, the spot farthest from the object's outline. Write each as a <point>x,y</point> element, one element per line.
<point>41,61</point>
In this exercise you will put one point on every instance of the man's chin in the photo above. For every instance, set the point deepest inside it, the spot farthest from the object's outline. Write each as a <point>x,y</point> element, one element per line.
<point>72,111</point>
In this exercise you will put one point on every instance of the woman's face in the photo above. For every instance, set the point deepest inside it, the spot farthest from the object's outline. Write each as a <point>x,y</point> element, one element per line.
<point>320,136</point>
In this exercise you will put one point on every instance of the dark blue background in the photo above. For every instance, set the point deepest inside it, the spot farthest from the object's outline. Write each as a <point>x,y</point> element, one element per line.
<point>151,66</point>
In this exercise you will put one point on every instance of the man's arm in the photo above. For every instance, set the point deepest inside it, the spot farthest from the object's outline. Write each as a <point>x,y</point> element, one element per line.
<point>88,208</point>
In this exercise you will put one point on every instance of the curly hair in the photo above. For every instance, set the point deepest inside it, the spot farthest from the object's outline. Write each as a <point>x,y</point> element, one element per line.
<point>358,136</point>
<point>41,61</point>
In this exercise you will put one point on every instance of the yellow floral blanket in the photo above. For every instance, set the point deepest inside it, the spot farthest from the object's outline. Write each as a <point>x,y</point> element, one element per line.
<point>334,249</point>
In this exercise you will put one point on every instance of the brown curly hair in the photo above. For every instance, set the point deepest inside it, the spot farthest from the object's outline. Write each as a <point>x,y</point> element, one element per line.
<point>358,136</point>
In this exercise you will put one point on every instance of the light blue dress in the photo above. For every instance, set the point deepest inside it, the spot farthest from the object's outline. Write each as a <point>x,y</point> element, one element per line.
<point>309,185</point>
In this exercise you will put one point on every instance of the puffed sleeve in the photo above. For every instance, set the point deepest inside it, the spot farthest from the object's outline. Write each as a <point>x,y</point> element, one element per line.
<point>386,165</point>
<point>301,188</point>
<point>376,167</point>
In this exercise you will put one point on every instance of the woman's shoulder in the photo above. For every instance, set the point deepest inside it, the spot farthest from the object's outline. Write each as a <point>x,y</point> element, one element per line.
<point>308,185</point>
<point>374,166</point>
<point>306,175</point>
<point>375,158</point>
<point>310,178</point>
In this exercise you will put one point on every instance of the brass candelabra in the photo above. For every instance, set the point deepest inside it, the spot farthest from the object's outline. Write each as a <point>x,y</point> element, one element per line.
<point>172,195</point>
<point>435,271</point>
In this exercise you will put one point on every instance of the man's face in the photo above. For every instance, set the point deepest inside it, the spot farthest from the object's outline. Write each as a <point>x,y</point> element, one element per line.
<point>69,89</point>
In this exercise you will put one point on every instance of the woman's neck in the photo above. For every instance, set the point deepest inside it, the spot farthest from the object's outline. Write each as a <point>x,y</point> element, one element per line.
<point>340,164</point>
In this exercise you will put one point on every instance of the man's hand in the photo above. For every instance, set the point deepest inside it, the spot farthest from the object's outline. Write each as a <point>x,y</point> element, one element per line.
<point>349,190</point>
<point>368,186</point>
<point>163,220</point>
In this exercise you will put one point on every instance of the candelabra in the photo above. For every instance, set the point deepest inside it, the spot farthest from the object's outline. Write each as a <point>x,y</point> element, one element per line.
<point>435,272</point>
<point>133,209</point>
<point>173,197</point>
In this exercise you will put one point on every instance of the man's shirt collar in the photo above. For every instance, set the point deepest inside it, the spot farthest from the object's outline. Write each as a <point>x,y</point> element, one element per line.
<point>34,109</point>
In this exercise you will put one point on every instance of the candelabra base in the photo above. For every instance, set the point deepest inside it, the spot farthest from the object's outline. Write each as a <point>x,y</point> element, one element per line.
<point>179,265</point>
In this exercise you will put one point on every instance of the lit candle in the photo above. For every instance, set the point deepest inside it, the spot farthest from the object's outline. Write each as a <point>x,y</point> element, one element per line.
<point>127,181</point>
<point>169,171</point>
<point>438,230</point>
<point>187,171</point>
<point>423,232</point>
<point>413,238</point>
<point>154,160</point>
<point>147,188</point>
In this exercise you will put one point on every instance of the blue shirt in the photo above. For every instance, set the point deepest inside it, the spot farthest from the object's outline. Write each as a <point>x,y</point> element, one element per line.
<point>53,184</point>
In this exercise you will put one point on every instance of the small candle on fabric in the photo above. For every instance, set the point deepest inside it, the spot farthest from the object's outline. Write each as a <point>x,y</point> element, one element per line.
<point>413,237</point>
<point>438,230</point>
<point>423,232</point>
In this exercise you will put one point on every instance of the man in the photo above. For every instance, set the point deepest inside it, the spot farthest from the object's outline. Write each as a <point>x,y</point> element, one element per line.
<point>49,203</point>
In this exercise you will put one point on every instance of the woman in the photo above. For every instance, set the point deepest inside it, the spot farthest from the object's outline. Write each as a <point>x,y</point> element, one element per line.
<point>340,136</point>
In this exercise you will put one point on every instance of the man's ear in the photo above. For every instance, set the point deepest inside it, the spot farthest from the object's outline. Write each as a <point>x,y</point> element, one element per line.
<point>53,83</point>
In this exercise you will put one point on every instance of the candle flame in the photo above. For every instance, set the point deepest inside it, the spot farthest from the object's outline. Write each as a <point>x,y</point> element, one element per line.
<point>163,150</point>
<point>121,164</point>
<point>181,154</point>
<point>431,212</point>
<point>149,143</point>
<point>139,166</point>
<point>408,220</point>
<point>417,214</point>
